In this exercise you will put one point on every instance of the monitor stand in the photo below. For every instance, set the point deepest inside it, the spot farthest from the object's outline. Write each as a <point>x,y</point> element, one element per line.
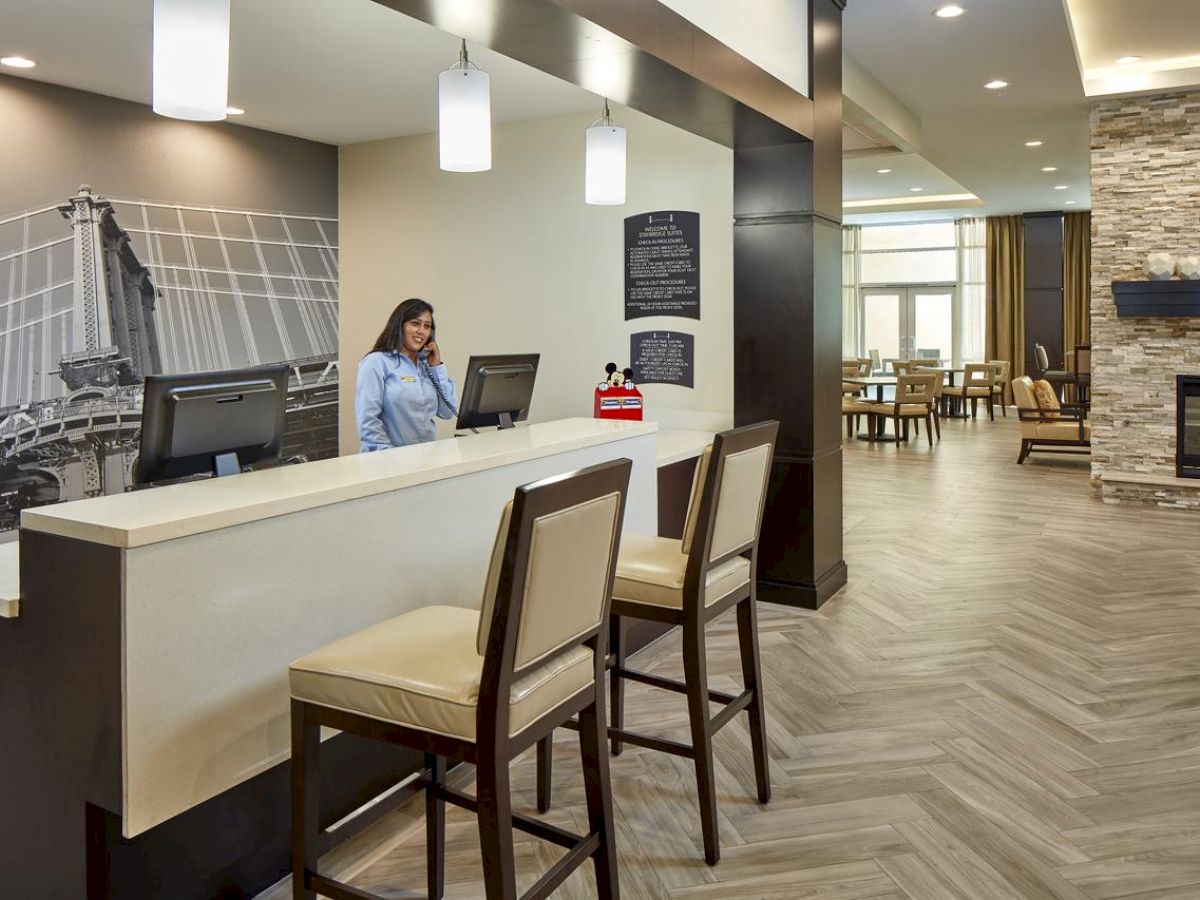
<point>506,421</point>
<point>226,464</point>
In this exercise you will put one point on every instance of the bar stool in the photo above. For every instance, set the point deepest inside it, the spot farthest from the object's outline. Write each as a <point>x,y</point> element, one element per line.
<point>690,582</point>
<point>482,687</point>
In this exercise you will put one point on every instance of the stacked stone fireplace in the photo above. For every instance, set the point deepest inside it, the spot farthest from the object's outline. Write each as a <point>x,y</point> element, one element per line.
<point>1145,198</point>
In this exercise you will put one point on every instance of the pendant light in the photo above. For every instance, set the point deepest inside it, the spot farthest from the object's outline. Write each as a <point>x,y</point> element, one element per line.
<point>465,117</point>
<point>191,59</point>
<point>604,180</point>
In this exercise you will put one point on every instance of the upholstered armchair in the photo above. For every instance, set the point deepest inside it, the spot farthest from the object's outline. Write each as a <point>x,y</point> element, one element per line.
<point>1045,423</point>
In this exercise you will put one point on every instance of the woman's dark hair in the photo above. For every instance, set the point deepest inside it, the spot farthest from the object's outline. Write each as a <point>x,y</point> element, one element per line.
<point>391,339</point>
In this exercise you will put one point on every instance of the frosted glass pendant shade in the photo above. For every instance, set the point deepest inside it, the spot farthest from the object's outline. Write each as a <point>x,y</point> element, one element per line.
<point>191,59</point>
<point>465,120</point>
<point>604,180</point>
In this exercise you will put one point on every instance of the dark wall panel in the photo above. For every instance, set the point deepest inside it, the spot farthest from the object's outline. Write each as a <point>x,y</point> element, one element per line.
<point>1044,287</point>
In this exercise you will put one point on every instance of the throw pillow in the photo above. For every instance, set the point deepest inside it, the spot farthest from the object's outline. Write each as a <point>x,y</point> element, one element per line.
<point>1047,400</point>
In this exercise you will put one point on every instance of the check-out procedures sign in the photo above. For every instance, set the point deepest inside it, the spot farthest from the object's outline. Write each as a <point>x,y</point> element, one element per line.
<point>663,357</point>
<point>662,265</point>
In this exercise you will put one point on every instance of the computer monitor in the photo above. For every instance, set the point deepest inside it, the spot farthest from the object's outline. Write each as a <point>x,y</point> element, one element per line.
<point>498,390</point>
<point>210,422</point>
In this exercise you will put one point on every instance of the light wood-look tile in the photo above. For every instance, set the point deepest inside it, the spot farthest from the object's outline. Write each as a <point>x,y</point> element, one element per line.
<point>1003,703</point>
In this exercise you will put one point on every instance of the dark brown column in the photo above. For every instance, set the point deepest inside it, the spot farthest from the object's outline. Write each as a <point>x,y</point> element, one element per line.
<point>1044,287</point>
<point>787,202</point>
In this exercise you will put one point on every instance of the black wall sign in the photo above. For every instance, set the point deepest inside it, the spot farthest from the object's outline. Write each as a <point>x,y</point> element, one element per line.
<point>663,357</point>
<point>662,265</point>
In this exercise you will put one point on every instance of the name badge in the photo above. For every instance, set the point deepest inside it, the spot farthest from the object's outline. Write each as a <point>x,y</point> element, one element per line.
<point>408,378</point>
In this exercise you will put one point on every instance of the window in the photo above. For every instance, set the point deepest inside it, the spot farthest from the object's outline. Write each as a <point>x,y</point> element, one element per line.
<point>919,288</point>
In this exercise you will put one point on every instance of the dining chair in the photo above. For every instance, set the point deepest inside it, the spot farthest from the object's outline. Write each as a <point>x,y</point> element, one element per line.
<point>1000,385</point>
<point>978,383</point>
<point>913,402</point>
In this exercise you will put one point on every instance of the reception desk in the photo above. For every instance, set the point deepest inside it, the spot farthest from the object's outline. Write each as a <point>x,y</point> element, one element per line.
<point>143,685</point>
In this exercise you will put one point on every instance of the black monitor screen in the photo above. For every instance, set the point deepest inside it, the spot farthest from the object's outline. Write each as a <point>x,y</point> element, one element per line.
<point>498,390</point>
<point>210,422</point>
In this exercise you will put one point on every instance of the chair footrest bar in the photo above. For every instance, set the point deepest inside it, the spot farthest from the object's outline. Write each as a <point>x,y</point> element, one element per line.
<point>652,743</point>
<point>337,890</point>
<point>561,870</point>
<point>668,684</point>
<point>735,706</point>
<point>543,830</point>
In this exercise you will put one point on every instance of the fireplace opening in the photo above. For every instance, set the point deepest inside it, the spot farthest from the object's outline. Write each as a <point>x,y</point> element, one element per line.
<point>1187,434</point>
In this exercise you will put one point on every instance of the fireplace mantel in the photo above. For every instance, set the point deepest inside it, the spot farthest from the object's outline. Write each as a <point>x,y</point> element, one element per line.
<point>1157,298</point>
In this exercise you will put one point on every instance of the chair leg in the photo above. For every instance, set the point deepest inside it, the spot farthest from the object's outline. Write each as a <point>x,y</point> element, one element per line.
<point>696,677</point>
<point>545,771</point>
<point>616,684</point>
<point>1003,404</point>
<point>937,424</point>
<point>896,428</point>
<point>1026,446</point>
<point>929,429</point>
<point>306,795</point>
<point>598,788</point>
<point>752,678</point>
<point>991,407</point>
<point>494,800</point>
<point>974,407</point>
<point>435,827</point>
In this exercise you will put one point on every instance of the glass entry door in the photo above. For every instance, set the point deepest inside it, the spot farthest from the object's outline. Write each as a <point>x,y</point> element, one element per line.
<point>908,322</point>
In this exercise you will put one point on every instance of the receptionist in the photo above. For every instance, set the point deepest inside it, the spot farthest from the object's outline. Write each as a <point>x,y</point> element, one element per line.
<point>402,382</point>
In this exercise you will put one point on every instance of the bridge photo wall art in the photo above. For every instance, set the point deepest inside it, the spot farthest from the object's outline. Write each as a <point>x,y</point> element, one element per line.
<point>96,292</point>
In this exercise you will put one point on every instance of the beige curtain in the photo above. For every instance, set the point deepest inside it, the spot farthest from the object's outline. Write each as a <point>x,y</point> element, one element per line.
<point>1005,322</point>
<point>1077,282</point>
<point>851,326</point>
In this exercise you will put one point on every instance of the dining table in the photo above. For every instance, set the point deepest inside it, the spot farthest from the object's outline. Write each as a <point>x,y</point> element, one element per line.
<point>879,382</point>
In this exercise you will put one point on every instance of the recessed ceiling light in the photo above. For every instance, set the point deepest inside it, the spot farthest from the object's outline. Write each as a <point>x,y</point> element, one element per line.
<point>1126,60</point>
<point>949,11</point>
<point>996,84</point>
<point>915,190</point>
<point>1060,187</point>
<point>883,171</point>
<point>234,111</point>
<point>1070,203</point>
<point>1049,168</point>
<point>1033,143</point>
<point>17,62</point>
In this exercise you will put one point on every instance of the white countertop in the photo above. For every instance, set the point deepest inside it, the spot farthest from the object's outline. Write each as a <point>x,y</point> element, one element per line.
<point>678,444</point>
<point>146,517</point>
<point>10,580</point>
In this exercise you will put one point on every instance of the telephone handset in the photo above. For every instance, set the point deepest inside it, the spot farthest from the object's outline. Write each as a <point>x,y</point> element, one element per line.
<point>423,362</point>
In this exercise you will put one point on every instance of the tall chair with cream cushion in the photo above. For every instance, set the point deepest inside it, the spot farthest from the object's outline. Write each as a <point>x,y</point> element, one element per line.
<point>1048,424</point>
<point>689,582</point>
<point>483,686</point>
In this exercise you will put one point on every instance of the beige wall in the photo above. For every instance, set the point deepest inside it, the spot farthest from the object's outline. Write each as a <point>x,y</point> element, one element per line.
<point>56,138</point>
<point>514,261</point>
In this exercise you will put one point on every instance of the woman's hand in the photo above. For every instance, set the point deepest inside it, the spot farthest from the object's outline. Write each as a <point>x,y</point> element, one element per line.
<point>435,354</point>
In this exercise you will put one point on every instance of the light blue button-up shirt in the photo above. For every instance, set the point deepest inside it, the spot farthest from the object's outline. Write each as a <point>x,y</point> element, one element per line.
<point>395,401</point>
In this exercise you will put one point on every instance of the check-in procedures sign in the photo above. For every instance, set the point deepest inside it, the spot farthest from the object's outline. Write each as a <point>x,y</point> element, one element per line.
<point>662,265</point>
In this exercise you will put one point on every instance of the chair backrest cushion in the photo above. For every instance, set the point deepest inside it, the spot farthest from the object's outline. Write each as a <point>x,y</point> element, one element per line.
<point>979,374</point>
<point>1043,361</point>
<point>1046,399</point>
<point>738,510</point>
<point>1023,392</point>
<point>1001,368</point>
<point>565,581</point>
<point>916,388</point>
<point>1083,359</point>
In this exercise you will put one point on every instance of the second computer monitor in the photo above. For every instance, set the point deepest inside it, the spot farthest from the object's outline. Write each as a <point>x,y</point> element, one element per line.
<point>497,390</point>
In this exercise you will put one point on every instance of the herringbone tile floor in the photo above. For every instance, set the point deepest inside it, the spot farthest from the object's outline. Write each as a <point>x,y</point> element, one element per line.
<point>1004,702</point>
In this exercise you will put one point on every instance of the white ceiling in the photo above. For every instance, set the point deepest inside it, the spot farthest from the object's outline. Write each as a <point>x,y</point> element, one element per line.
<point>975,137</point>
<point>1164,33</point>
<point>338,71</point>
